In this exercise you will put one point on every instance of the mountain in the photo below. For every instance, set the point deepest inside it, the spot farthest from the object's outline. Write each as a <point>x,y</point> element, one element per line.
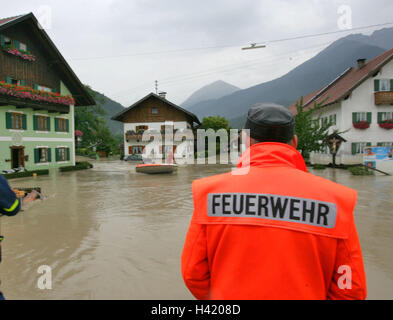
<point>307,77</point>
<point>381,38</point>
<point>211,91</point>
<point>111,108</point>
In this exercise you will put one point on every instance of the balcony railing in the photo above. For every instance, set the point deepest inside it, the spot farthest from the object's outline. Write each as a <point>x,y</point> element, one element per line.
<point>383,97</point>
<point>137,135</point>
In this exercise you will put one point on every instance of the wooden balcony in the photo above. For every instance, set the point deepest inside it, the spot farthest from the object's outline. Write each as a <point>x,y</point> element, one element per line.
<point>383,97</point>
<point>133,136</point>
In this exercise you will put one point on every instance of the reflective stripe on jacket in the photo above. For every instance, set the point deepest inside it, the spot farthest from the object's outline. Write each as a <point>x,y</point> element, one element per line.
<point>9,203</point>
<point>276,232</point>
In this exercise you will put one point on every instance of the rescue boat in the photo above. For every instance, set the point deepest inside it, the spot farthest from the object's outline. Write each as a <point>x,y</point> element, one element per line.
<point>153,168</point>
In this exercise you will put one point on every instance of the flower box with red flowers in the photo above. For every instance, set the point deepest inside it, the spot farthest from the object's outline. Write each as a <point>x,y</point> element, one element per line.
<point>20,53</point>
<point>28,93</point>
<point>386,124</point>
<point>361,125</point>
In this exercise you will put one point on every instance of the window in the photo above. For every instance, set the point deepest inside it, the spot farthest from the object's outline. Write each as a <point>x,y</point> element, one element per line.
<point>384,85</point>
<point>357,147</point>
<point>43,88</point>
<point>15,81</point>
<point>154,110</point>
<point>61,125</point>
<point>141,128</point>
<point>62,154</point>
<point>41,123</point>
<point>42,155</point>
<point>332,119</point>
<point>137,149</point>
<point>385,144</point>
<point>22,47</point>
<point>361,116</point>
<point>382,116</point>
<point>7,42</point>
<point>17,121</point>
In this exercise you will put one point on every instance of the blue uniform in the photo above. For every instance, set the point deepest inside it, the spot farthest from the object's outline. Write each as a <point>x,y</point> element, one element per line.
<point>9,203</point>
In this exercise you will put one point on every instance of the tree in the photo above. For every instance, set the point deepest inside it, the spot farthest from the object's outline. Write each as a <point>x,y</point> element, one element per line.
<point>215,123</point>
<point>311,131</point>
<point>91,121</point>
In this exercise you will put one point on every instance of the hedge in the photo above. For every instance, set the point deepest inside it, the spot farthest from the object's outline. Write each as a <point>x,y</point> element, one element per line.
<point>360,171</point>
<point>25,174</point>
<point>79,166</point>
<point>319,167</point>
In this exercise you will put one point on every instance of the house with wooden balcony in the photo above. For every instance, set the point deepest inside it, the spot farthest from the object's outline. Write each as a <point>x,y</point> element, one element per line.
<point>162,119</point>
<point>359,100</point>
<point>38,94</point>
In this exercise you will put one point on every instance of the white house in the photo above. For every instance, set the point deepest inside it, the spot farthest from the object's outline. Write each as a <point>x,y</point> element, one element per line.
<point>359,100</point>
<point>155,114</point>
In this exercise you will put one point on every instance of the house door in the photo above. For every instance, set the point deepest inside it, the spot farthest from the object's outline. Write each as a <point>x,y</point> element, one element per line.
<point>17,157</point>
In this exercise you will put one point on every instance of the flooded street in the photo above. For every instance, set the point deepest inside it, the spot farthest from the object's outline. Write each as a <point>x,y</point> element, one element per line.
<point>110,233</point>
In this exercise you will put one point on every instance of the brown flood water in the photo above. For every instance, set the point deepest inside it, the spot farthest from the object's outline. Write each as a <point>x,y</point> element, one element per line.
<point>110,233</point>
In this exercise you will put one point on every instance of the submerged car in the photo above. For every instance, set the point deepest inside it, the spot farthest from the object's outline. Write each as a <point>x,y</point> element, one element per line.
<point>133,157</point>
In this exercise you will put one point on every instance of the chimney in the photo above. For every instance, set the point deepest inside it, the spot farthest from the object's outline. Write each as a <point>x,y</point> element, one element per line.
<point>162,94</point>
<point>361,63</point>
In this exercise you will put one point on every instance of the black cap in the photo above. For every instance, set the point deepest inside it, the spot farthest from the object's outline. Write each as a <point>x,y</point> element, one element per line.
<point>270,122</point>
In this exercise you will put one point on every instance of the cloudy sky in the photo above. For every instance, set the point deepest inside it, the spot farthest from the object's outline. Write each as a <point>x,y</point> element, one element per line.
<point>120,47</point>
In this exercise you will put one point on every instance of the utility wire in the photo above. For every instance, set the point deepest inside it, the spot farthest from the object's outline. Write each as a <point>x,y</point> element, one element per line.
<point>233,46</point>
<point>221,69</point>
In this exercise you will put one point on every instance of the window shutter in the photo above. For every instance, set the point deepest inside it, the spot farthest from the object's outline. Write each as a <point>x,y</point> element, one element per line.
<point>35,86</point>
<point>368,144</point>
<point>2,40</point>
<point>379,117</point>
<point>369,117</point>
<point>376,85</point>
<point>36,155</point>
<point>8,80</point>
<point>16,44</point>
<point>24,122</point>
<point>353,148</point>
<point>48,124</point>
<point>49,155</point>
<point>354,116</point>
<point>68,154</point>
<point>56,124</point>
<point>23,83</point>
<point>35,123</point>
<point>54,90</point>
<point>67,125</point>
<point>8,120</point>
<point>379,144</point>
<point>57,154</point>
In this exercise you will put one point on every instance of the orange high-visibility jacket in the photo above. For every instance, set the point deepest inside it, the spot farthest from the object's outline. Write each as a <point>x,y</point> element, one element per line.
<point>274,232</point>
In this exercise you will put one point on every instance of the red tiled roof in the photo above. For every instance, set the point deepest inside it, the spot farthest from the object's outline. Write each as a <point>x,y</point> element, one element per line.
<point>345,83</point>
<point>5,20</point>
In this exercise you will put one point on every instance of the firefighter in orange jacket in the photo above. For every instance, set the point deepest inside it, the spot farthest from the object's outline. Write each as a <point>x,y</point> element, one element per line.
<point>276,232</point>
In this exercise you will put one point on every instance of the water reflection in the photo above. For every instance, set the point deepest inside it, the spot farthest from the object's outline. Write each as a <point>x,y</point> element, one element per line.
<point>110,233</point>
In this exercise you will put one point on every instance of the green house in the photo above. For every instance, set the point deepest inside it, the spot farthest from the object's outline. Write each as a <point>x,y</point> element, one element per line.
<point>38,95</point>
